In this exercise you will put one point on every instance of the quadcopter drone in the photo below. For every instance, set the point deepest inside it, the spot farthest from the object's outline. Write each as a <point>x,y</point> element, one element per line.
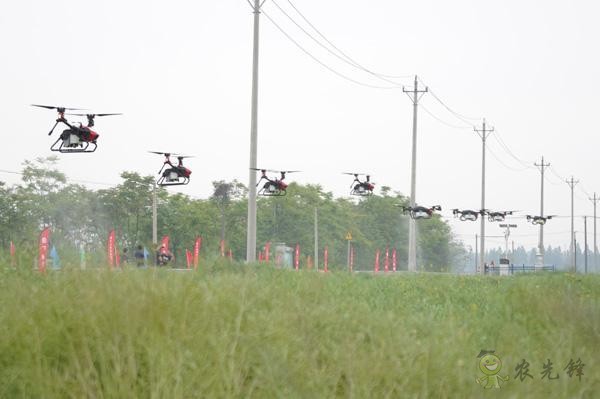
<point>273,187</point>
<point>538,219</point>
<point>77,138</point>
<point>420,212</point>
<point>498,216</point>
<point>173,175</point>
<point>361,188</point>
<point>467,214</point>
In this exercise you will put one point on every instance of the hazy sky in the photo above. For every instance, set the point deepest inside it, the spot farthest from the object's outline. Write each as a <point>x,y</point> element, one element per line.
<point>180,72</point>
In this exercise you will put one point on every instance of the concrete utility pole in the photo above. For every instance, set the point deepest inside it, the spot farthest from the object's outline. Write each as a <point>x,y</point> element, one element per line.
<point>251,234</point>
<point>154,217</point>
<point>595,200</point>
<point>572,182</point>
<point>541,166</point>
<point>585,246</point>
<point>415,95</point>
<point>484,132</point>
<point>316,239</point>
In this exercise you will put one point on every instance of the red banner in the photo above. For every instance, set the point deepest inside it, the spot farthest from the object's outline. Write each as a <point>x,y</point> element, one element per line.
<point>111,249</point>
<point>188,258</point>
<point>267,250</point>
<point>377,261</point>
<point>197,246</point>
<point>297,257</point>
<point>394,264</point>
<point>13,260</point>
<point>43,247</point>
<point>164,243</point>
<point>386,264</point>
<point>325,259</point>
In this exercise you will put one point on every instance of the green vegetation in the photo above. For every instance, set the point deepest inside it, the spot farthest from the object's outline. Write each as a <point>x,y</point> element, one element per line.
<point>250,331</point>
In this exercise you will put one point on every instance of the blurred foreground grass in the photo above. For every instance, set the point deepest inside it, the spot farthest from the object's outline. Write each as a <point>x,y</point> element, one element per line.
<point>254,332</point>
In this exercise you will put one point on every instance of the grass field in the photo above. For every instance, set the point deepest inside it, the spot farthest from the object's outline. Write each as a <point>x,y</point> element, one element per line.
<point>247,331</point>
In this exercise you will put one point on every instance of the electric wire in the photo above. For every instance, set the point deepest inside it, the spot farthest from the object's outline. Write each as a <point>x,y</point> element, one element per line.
<point>498,138</point>
<point>442,121</point>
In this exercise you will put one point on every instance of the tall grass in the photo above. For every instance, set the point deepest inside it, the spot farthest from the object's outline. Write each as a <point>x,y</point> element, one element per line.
<point>246,331</point>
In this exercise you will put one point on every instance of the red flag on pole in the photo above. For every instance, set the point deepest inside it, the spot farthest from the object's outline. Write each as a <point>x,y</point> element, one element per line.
<point>377,261</point>
<point>111,249</point>
<point>44,245</point>
<point>267,250</point>
<point>13,260</point>
<point>325,259</point>
<point>297,257</point>
<point>197,246</point>
<point>165,243</point>
<point>188,258</point>
<point>394,259</point>
<point>387,259</point>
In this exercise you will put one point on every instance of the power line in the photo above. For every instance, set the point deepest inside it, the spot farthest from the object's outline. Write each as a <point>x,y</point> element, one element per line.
<point>526,165</point>
<point>444,122</point>
<point>321,62</point>
<point>343,58</point>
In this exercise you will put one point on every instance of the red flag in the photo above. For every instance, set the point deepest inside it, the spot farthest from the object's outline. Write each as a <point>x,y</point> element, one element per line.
<point>222,245</point>
<point>188,258</point>
<point>394,259</point>
<point>165,243</point>
<point>267,250</point>
<point>12,254</point>
<point>43,246</point>
<point>197,246</point>
<point>387,259</point>
<point>351,257</point>
<point>377,261</point>
<point>297,257</point>
<point>111,248</point>
<point>325,258</point>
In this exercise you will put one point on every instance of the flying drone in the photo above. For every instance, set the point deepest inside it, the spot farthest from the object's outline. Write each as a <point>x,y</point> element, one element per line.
<point>77,138</point>
<point>361,188</point>
<point>467,214</point>
<point>173,175</point>
<point>273,187</point>
<point>420,212</point>
<point>498,216</point>
<point>538,219</point>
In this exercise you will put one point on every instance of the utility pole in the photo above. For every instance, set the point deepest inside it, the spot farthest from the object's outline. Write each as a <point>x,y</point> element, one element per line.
<point>572,182</point>
<point>251,234</point>
<point>585,246</point>
<point>316,239</point>
<point>541,166</point>
<point>415,95</point>
<point>154,217</point>
<point>595,200</point>
<point>484,132</point>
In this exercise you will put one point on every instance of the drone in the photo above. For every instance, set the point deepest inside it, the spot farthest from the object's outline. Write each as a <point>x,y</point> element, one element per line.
<point>420,212</point>
<point>541,220</point>
<point>77,138</point>
<point>173,175</point>
<point>361,188</point>
<point>273,187</point>
<point>498,216</point>
<point>467,214</point>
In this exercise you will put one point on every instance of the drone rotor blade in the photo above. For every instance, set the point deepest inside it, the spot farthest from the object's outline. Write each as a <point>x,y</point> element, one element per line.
<point>54,107</point>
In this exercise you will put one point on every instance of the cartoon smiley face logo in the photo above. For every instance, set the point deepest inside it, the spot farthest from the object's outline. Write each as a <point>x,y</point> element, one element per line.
<point>490,364</point>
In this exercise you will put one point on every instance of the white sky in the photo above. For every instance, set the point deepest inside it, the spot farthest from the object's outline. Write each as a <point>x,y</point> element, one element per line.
<point>180,72</point>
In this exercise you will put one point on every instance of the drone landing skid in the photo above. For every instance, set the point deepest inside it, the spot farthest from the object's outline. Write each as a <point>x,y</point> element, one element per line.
<point>67,146</point>
<point>361,193</point>
<point>275,193</point>
<point>162,181</point>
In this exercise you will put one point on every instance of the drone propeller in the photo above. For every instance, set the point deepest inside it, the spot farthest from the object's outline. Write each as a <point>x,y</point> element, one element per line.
<point>59,109</point>
<point>94,115</point>
<point>168,154</point>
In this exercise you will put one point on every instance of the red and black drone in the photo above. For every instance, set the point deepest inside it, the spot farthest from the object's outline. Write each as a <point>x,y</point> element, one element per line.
<point>273,187</point>
<point>539,219</point>
<point>361,188</point>
<point>173,175</point>
<point>467,214</point>
<point>420,212</point>
<point>77,138</point>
